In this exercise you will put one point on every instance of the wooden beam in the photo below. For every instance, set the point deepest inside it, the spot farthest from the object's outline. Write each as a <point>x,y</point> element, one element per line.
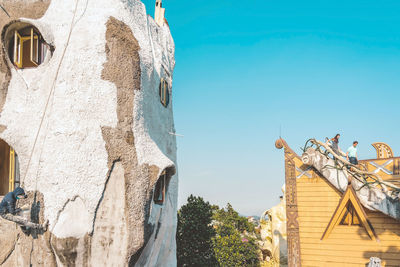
<point>349,197</point>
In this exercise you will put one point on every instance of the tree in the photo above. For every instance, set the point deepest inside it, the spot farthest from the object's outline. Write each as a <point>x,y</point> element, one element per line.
<point>234,244</point>
<point>194,234</point>
<point>231,219</point>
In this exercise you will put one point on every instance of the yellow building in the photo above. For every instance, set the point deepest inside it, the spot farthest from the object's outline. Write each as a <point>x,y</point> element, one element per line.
<point>334,223</point>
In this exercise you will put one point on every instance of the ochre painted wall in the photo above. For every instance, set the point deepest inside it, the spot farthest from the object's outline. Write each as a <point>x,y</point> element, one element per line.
<point>346,245</point>
<point>4,167</point>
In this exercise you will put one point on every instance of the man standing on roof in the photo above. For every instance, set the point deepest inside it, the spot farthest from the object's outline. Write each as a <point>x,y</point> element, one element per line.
<point>351,154</point>
<point>9,212</point>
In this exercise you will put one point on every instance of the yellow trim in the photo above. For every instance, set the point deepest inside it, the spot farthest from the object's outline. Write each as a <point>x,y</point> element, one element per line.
<point>349,196</point>
<point>33,37</point>
<point>11,170</point>
<point>17,49</point>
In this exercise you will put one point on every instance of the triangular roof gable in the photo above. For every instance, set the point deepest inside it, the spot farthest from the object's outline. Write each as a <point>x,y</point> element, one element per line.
<point>349,196</point>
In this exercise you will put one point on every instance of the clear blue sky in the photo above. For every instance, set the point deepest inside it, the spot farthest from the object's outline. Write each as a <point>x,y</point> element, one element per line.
<point>245,68</point>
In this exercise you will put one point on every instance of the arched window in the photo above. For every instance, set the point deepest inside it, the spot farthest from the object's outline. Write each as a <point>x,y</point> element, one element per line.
<point>164,92</point>
<point>9,169</point>
<point>26,46</point>
<point>160,189</point>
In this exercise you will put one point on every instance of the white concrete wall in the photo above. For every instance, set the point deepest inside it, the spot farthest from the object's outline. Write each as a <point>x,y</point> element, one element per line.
<point>69,162</point>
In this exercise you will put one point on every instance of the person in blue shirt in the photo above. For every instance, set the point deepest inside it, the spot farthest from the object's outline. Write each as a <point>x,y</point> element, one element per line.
<point>7,205</point>
<point>9,211</point>
<point>351,154</point>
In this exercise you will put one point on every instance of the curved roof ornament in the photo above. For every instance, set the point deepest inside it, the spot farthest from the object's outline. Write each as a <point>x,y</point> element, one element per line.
<point>383,150</point>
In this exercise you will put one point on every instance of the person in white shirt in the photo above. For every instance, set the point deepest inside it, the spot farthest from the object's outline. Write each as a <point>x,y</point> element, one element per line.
<point>351,154</point>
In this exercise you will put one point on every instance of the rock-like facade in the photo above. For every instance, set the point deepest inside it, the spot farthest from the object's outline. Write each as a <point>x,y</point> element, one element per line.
<point>273,234</point>
<point>92,136</point>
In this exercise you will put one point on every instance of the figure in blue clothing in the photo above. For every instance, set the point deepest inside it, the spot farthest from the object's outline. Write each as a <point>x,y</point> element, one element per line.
<point>351,154</point>
<point>9,212</point>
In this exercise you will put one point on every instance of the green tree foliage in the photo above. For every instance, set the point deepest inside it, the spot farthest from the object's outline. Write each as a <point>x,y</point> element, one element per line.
<point>229,218</point>
<point>209,236</point>
<point>234,244</point>
<point>194,234</point>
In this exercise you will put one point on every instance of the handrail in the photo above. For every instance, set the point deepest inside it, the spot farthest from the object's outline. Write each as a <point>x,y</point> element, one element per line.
<point>354,170</point>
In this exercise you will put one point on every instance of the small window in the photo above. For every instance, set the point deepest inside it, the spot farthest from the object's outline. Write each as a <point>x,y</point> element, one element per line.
<point>160,189</point>
<point>27,49</point>
<point>350,217</point>
<point>164,92</point>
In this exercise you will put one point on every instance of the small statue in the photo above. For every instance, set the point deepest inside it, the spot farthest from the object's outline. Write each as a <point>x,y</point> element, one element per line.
<point>374,262</point>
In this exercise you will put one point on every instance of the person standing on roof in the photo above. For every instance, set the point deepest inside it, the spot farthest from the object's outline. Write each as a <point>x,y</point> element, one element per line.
<point>335,144</point>
<point>351,154</point>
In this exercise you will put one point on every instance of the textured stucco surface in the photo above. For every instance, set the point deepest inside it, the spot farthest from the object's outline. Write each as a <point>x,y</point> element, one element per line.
<point>104,125</point>
<point>16,9</point>
<point>109,234</point>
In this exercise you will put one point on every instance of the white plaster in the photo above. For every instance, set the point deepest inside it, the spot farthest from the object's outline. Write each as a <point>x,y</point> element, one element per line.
<point>70,158</point>
<point>110,237</point>
<point>76,227</point>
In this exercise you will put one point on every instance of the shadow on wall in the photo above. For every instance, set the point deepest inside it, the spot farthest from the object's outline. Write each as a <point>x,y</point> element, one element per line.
<point>32,211</point>
<point>283,258</point>
<point>392,250</point>
<point>383,225</point>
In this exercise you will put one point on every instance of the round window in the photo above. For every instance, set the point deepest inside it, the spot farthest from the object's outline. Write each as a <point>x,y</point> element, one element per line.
<point>25,45</point>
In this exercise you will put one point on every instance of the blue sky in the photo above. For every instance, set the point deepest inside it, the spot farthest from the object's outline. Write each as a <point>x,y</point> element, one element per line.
<point>245,69</point>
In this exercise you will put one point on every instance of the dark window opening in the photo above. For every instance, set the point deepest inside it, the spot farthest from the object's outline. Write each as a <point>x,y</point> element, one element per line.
<point>26,46</point>
<point>160,189</point>
<point>350,217</point>
<point>164,92</point>
<point>9,169</point>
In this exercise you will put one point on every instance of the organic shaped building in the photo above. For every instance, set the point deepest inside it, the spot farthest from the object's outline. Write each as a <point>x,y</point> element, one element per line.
<point>273,234</point>
<point>86,128</point>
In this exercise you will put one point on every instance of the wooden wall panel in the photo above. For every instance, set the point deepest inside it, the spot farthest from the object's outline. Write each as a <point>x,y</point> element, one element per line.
<point>26,55</point>
<point>4,167</point>
<point>346,245</point>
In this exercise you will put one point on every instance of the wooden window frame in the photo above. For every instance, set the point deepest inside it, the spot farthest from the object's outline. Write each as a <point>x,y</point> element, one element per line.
<point>350,216</point>
<point>36,48</point>
<point>17,57</point>
<point>34,57</point>
<point>11,172</point>
<point>349,198</point>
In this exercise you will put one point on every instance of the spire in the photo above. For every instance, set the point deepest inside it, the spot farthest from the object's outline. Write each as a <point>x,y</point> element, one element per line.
<point>159,13</point>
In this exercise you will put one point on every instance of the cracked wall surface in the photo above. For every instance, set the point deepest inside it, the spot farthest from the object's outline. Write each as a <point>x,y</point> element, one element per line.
<point>104,140</point>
